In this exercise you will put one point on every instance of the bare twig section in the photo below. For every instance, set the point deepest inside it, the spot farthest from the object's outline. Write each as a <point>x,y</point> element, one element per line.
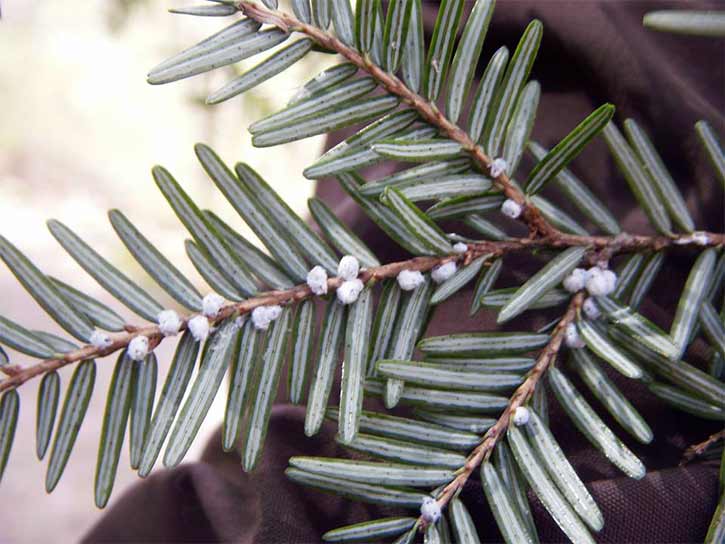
<point>538,225</point>
<point>623,243</point>
<point>10,370</point>
<point>603,245</point>
<point>696,450</point>
<point>483,451</point>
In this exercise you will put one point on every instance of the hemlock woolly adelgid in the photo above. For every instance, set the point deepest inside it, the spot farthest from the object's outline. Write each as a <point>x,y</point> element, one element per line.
<point>600,282</point>
<point>348,268</point>
<point>348,292</point>
<point>576,280</point>
<point>169,322</point>
<point>198,327</point>
<point>100,339</point>
<point>262,316</point>
<point>572,338</point>
<point>138,348</point>
<point>409,279</point>
<point>443,272</point>
<point>511,209</point>
<point>211,304</point>
<point>498,167</point>
<point>460,247</point>
<point>591,310</point>
<point>430,510</point>
<point>317,280</point>
<point>521,416</point>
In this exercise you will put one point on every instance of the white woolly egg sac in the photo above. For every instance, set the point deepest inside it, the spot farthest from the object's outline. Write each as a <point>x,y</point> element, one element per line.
<point>348,268</point>
<point>317,280</point>
<point>511,209</point>
<point>198,327</point>
<point>348,292</point>
<point>410,279</point>
<point>443,272</point>
<point>430,510</point>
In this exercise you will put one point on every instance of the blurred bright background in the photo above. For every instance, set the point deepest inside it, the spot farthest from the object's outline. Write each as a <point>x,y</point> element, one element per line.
<point>80,130</point>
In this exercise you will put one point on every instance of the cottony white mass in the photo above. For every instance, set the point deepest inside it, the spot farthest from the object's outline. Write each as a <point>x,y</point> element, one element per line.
<point>349,268</point>
<point>198,327</point>
<point>317,280</point>
<point>443,272</point>
<point>348,292</point>
<point>410,279</point>
<point>138,348</point>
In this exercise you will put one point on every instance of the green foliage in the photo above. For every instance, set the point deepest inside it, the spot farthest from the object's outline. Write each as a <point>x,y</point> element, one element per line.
<point>543,281</point>
<point>118,404</point>
<point>74,409</point>
<point>697,23</point>
<point>460,384</point>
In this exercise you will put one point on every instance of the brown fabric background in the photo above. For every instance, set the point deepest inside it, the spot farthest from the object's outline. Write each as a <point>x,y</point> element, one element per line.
<point>592,52</point>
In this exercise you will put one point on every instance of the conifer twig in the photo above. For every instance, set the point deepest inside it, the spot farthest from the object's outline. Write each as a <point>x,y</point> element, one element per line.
<point>523,393</point>
<point>698,449</point>
<point>538,226</point>
<point>611,245</point>
<point>428,111</point>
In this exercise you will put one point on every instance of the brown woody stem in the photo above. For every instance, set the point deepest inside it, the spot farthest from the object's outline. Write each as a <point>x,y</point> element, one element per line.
<point>427,110</point>
<point>539,227</point>
<point>482,452</point>
<point>622,243</point>
<point>697,450</point>
<point>541,235</point>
